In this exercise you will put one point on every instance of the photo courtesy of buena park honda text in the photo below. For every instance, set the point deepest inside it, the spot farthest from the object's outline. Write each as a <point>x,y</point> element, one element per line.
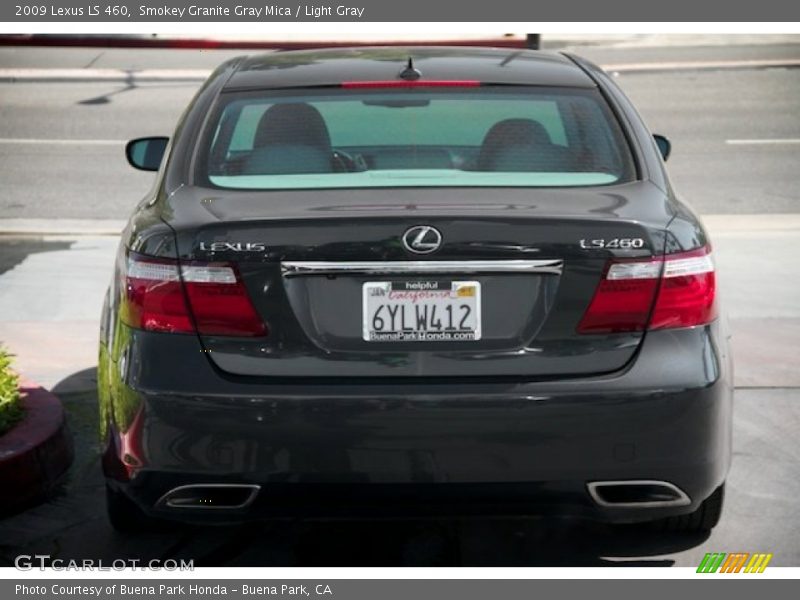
<point>399,300</point>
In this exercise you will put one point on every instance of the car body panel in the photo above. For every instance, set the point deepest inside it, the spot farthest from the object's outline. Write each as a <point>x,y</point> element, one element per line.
<point>492,224</point>
<point>314,417</point>
<point>489,433</point>
<point>319,68</point>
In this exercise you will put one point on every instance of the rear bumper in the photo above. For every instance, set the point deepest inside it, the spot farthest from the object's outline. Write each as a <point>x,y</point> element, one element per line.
<point>359,448</point>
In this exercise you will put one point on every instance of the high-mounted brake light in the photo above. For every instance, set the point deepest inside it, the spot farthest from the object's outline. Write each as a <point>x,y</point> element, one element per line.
<point>667,292</point>
<point>156,294</point>
<point>402,83</point>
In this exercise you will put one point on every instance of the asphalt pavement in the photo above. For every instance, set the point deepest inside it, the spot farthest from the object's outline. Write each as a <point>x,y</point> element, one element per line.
<point>736,145</point>
<point>735,132</point>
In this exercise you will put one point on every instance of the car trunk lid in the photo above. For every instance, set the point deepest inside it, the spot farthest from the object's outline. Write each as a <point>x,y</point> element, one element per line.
<point>531,262</point>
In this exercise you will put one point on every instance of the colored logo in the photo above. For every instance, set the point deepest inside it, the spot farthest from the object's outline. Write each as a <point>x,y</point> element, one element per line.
<point>737,562</point>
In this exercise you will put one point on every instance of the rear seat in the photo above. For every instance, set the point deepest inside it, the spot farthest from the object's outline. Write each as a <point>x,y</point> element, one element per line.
<point>411,158</point>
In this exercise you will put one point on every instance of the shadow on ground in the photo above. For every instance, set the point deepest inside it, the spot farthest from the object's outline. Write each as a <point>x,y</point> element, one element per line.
<point>73,526</point>
<point>128,85</point>
<point>18,248</point>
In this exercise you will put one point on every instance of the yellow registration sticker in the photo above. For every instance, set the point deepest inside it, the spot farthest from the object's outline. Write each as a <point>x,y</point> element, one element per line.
<point>468,291</point>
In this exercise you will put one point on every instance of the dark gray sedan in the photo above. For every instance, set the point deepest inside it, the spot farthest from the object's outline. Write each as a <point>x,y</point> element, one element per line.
<point>436,281</point>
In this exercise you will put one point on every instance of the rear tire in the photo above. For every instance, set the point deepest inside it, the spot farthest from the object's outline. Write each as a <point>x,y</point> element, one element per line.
<point>126,517</point>
<point>703,520</point>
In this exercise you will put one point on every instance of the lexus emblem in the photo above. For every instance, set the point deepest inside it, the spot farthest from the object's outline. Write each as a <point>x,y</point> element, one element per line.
<point>422,239</point>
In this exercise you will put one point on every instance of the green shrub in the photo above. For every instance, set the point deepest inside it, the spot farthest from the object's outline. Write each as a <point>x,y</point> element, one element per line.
<point>10,409</point>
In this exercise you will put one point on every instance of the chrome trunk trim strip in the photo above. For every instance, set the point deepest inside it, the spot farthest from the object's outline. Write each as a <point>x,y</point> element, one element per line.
<point>422,267</point>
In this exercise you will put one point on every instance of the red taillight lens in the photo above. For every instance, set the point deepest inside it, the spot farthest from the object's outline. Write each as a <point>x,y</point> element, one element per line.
<point>674,291</point>
<point>153,297</point>
<point>155,300</point>
<point>687,295</point>
<point>219,301</point>
<point>624,298</point>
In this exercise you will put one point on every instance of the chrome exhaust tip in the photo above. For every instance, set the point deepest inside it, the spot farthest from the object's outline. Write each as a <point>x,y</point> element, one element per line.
<point>210,496</point>
<point>637,493</point>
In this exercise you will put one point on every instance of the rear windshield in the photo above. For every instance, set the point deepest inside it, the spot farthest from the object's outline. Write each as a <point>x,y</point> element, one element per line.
<point>420,137</point>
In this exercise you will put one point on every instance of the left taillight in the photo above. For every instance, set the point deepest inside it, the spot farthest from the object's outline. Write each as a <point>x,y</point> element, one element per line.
<point>207,298</point>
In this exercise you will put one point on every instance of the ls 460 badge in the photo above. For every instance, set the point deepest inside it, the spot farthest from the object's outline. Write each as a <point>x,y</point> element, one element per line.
<point>233,247</point>
<point>613,243</point>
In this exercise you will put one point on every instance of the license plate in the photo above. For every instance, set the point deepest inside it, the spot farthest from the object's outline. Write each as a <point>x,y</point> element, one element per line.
<point>421,311</point>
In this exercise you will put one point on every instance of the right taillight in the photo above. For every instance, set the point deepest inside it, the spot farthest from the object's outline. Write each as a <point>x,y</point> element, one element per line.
<point>156,292</point>
<point>687,295</point>
<point>677,290</point>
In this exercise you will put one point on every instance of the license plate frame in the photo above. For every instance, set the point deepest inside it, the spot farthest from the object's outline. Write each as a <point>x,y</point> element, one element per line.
<point>411,298</point>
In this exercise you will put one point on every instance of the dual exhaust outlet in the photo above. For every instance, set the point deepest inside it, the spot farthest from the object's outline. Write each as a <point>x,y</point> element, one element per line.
<point>637,493</point>
<point>210,496</point>
<point>643,493</point>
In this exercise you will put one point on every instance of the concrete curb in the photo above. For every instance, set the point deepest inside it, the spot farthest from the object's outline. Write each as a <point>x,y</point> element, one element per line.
<point>707,65</point>
<point>36,454</point>
<point>102,75</point>
<point>751,224</point>
<point>244,44</point>
<point>56,226</point>
<point>133,76</point>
